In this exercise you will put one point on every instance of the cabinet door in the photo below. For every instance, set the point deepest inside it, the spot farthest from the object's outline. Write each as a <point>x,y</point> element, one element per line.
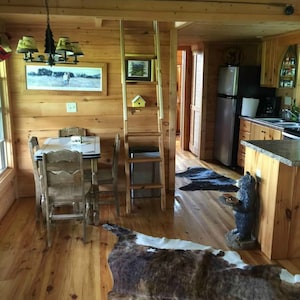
<point>260,132</point>
<point>288,71</point>
<point>244,134</point>
<point>269,68</point>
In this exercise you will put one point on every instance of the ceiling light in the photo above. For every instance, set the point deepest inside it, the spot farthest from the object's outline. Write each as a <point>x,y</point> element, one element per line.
<point>65,52</point>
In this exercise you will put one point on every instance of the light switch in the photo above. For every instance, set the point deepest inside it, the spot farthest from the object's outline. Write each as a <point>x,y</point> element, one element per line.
<point>287,100</point>
<point>71,107</point>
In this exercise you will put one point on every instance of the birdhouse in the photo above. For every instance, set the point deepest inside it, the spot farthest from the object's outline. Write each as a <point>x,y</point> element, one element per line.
<point>138,101</point>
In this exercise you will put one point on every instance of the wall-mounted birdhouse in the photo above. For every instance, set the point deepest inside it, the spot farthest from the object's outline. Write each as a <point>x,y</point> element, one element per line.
<point>138,101</point>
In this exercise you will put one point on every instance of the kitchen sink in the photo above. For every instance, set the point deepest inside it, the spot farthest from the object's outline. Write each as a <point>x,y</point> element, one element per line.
<point>288,124</point>
<point>270,120</point>
<point>280,122</point>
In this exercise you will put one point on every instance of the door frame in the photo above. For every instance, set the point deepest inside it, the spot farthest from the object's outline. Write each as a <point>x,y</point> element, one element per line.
<point>186,82</point>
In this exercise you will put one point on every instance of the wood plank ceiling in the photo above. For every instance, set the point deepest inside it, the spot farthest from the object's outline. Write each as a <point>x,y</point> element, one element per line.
<point>221,20</point>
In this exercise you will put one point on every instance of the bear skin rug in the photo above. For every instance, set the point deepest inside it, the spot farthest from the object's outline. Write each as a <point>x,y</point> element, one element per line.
<point>145,267</point>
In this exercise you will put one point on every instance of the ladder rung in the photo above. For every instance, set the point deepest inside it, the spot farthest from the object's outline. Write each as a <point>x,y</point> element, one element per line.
<point>139,56</point>
<point>145,186</point>
<point>59,217</point>
<point>144,159</point>
<point>142,134</point>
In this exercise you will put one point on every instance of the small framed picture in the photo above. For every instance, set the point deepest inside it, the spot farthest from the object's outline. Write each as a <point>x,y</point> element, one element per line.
<point>138,70</point>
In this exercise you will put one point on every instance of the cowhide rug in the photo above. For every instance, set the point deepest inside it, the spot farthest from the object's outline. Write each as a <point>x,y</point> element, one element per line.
<point>206,179</point>
<point>146,267</point>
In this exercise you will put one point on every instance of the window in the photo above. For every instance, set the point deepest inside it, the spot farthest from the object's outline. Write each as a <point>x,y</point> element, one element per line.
<point>3,157</point>
<point>6,147</point>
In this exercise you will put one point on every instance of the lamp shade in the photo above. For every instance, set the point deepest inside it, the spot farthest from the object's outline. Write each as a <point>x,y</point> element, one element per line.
<point>76,49</point>
<point>27,44</point>
<point>64,45</point>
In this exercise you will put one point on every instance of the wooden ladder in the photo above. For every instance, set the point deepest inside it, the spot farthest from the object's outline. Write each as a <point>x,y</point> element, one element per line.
<point>140,136</point>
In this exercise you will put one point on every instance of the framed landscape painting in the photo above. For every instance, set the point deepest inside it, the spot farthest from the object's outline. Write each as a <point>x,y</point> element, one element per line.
<point>66,78</point>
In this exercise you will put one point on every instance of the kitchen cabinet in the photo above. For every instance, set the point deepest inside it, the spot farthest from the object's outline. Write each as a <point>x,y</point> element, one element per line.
<point>288,70</point>
<point>261,132</point>
<point>278,232</point>
<point>252,131</point>
<point>244,134</point>
<point>269,65</point>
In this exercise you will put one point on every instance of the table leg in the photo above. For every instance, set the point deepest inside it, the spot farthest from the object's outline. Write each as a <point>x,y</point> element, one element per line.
<point>95,192</point>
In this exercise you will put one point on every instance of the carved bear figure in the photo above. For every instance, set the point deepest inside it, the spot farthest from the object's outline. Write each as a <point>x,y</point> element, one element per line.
<point>245,214</point>
<point>245,211</point>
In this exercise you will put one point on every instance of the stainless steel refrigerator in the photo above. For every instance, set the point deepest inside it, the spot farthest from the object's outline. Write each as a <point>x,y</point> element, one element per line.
<point>234,83</point>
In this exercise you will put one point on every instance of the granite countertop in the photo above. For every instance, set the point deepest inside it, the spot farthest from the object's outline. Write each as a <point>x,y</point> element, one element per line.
<point>286,151</point>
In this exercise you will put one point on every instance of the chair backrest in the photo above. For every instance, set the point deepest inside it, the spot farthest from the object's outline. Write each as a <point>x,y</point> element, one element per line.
<point>63,176</point>
<point>33,146</point>
<point>66,132</point>
<point>115,163</point>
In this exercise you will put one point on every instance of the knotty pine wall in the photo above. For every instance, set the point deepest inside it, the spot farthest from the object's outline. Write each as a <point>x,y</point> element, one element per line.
<point>42,113</point>
<point>213,58</point>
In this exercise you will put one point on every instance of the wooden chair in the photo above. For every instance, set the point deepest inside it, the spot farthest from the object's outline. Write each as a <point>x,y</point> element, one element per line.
<point>66,132</point>
<point>64,186</point>
<point>33,146</point>
<point>108,178</point>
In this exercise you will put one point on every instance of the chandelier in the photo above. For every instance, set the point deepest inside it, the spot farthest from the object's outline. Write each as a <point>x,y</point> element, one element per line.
<point>64,52</point>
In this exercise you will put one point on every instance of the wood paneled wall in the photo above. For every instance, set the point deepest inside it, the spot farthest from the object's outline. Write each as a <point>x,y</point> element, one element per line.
<point>213,58</point>
<point>42,113</point>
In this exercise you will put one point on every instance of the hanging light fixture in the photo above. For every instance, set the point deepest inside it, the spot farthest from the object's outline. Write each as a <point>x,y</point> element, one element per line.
<point>65,52</point>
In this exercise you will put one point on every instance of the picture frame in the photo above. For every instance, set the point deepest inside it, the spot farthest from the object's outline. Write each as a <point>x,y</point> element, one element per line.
<point>67,78</point>
<point>138,69</point>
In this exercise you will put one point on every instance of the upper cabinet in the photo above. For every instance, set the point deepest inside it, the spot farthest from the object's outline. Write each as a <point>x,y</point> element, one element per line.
<point>288,70</point>
<point>269,65</point>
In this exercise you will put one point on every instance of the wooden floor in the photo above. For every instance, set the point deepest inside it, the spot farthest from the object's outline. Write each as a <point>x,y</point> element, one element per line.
<point>71,270</point>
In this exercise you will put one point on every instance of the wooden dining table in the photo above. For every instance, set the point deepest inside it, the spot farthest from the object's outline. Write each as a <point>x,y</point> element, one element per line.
<point>90,148</point>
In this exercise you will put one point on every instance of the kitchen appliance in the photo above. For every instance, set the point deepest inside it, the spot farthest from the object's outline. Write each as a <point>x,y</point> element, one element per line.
<point>269,107</point>
<point>234,83</point>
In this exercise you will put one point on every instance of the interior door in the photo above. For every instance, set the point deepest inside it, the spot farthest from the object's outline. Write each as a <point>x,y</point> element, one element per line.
<point>196,104</point>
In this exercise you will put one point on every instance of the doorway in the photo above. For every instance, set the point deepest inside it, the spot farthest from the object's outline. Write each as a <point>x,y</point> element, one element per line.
<point>189,99</point>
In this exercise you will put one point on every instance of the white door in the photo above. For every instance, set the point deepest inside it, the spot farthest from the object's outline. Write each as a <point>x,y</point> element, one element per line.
<point>196,104</point>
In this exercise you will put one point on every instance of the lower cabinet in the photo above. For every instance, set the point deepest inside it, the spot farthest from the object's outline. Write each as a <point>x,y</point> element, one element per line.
<point>252,131</point>
<point>261,132</point>
<point>245,127</point>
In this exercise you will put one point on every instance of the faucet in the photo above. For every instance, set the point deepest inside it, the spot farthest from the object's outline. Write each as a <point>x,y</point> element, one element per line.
<point>289,115</point>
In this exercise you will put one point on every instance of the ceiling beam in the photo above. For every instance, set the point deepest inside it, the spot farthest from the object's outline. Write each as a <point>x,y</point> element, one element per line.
<point>185,11</point>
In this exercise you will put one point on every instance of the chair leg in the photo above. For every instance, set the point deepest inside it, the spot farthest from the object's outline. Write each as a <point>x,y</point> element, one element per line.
<point>84,220</point>
<point>116,196</point>
<point>38,198</point>
<point>48,225</point>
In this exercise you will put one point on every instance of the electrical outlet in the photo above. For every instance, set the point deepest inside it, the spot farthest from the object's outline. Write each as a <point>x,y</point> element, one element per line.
<point>71,107</point>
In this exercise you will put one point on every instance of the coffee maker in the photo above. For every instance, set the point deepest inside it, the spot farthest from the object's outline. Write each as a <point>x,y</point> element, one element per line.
<point>269,107</point>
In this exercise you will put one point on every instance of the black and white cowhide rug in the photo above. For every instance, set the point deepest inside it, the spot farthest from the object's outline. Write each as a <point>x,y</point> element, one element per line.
<point>206,179</point>
<point>145,267</point>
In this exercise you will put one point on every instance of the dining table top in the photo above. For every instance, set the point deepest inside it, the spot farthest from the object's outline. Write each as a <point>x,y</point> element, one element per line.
<point>89,146</point>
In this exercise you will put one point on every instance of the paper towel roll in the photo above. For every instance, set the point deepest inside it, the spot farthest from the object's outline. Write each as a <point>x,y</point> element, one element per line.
<point>249,107</point>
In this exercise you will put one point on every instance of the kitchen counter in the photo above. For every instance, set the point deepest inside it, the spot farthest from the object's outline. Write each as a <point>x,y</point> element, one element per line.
<point>285,151</point>
<point>277,164</point>
<point>261,121</point>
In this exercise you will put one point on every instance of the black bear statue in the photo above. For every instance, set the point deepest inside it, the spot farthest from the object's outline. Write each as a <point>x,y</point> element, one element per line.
<point>245,214</point>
